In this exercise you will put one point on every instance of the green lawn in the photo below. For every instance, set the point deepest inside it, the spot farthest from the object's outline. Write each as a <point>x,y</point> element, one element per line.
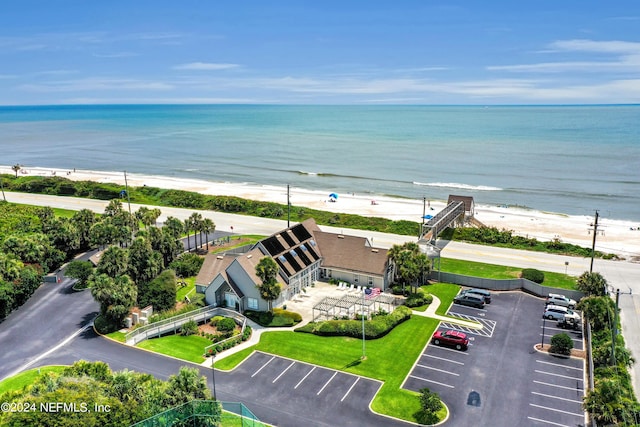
<point>253,238</point>
<point>493,271</point>
<point>186,290</point>
<point>189,348</point>
<point>383,360</point>
<point>17,382</point>
<point>117,335</point>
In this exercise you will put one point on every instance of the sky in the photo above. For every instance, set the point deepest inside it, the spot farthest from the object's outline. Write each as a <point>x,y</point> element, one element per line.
<point>319,52</point>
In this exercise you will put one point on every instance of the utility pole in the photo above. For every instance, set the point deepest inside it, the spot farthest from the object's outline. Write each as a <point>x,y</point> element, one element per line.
<point>126,186</point>
<point>593,245</point>
<point>2,187</point>
<point>288,207</point>
<point>424,213</point>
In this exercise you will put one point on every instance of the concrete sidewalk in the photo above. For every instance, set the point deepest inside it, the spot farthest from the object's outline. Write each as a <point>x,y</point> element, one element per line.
<point>304,304</point>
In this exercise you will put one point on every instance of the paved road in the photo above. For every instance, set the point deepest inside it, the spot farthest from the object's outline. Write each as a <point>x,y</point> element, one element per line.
<point>619,274</point>
<point>52,314</point>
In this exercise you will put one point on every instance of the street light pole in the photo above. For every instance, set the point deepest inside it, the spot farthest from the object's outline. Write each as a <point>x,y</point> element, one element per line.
<point>362,314</point>
<point>544,322</point>
<point>213,374</point>
<point>593,244</point>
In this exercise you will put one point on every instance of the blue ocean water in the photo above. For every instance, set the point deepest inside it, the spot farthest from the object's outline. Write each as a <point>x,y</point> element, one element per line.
<point>569,159</point>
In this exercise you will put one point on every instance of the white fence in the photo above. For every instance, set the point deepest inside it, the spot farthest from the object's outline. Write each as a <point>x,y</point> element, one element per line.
<point>173,324</point>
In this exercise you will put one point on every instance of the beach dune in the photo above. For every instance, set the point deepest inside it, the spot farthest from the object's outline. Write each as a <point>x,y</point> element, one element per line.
<point>615,236</point>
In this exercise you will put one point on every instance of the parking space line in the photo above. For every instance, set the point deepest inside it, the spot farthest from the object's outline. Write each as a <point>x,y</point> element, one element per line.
<point>439,370</point>
<point>557,364</point>
<point>556,375</point>
<point>282,373</point>
<point>556,410</point>
<point>442,358</point>
<point>547,422</point>
<point>262,367</point>
<point>558,386</point>
<point>556,397</point>
<point>327,383</point>
<point>572,339</point>
<point>305,377</point>
<point>462,353</point>
<point>431,381</point>
<point>350,388</point>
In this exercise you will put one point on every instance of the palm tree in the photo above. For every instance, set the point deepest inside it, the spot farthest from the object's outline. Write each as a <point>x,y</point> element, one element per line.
<point>409,263</point>
<point>16,168</point>
<point>208,226</point>
<point>196,221</point>
<point>187,228</point>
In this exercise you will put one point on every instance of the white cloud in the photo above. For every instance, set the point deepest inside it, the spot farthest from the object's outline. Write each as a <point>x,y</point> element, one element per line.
<point>95,84</point>
<point>115,55</point>
<point>205,66</point>
<point>626,57</point>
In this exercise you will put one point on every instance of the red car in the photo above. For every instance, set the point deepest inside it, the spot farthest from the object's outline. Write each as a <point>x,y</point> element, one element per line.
<point>455,339</point>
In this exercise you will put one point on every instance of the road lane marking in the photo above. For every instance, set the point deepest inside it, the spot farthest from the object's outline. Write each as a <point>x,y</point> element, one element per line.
<point>350,388</point>
<point>431,381</point>
<point>305,377</point>
<point>439,370</point>
<point>556,375</point>
<point>556,397</point>
<point>556,410</point>
<point>547,422</point>
<point>282,373</point>
<point>327,383</point>
<point>262,367</point>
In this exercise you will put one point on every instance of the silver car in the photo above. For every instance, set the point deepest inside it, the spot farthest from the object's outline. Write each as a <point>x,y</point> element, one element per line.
<point>556,312</point>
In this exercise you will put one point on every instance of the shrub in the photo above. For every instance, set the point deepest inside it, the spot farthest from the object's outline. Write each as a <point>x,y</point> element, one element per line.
<point>377,327</point>
<point>187,265</point>
<point>226,324</point>
<point>418,299</point>
<point>189,328</point>
<point>160,292</point>
<point>214,320</point>
<point>561,344</point>
<point>534,275</point>
<point>430,404</point>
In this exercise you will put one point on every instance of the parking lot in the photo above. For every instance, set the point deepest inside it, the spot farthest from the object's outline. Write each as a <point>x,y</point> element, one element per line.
<point>292,389</point>
<point>501,380</point>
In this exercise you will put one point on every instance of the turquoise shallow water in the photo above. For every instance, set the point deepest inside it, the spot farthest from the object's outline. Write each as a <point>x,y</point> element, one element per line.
<point>571,159</point>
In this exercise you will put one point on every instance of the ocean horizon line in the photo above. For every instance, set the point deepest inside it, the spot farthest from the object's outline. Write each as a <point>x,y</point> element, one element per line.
<point>275,104</point>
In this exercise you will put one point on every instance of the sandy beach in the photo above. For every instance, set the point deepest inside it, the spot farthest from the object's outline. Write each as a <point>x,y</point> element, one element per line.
<point>617,236</point>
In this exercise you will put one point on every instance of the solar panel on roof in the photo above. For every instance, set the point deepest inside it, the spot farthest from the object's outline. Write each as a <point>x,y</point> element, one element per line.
<point>301,233</point>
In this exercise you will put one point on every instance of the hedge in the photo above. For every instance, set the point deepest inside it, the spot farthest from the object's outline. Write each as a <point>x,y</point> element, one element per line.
<point>377,327</point>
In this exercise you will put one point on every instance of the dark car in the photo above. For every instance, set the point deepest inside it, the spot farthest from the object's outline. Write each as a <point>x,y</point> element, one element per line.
<point>455,339</point>
<point>483,292</point>
<point>472,300</point>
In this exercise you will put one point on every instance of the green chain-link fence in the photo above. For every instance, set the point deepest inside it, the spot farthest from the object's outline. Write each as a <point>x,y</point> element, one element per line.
<point>204,413</point>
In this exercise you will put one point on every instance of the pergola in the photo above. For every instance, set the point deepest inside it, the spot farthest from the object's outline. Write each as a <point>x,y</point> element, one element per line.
<point>350,305</point>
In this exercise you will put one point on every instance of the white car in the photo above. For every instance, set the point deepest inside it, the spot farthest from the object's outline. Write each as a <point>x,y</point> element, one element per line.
<point>561,300</point>
<point>556,312</point>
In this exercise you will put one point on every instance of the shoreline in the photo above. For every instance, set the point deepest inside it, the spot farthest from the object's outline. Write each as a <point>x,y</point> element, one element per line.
<point>616,236</point>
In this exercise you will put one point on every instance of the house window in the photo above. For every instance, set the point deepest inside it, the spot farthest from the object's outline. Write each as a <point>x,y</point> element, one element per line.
<point>356,278</point>
<point>252,303</point>
<point>370,280</point>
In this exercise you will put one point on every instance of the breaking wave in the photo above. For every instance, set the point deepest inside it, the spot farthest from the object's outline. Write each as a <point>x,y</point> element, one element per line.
<point>459,186</point>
